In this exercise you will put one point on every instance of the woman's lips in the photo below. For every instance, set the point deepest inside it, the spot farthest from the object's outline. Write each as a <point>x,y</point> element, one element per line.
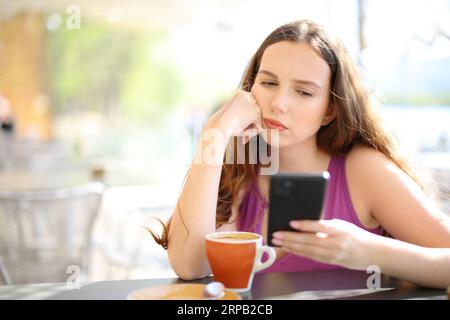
<point>273,124</point>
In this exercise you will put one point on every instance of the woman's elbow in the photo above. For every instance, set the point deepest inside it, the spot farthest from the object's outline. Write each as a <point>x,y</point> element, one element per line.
<point>187,271</point>
<point>190,275</point>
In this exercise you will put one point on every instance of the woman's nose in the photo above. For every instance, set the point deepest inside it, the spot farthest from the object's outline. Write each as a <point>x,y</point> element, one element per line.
<point>279,102</point>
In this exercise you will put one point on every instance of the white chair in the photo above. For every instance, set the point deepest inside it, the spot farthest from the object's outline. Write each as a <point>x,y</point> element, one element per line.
<point>27,155</point>
<point>441,180</point>
<point>5,279</point>
<point>43,232</point>
<point>128,249</point>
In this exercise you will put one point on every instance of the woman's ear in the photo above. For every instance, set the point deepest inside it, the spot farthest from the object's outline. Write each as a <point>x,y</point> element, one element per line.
<point>330,115</point>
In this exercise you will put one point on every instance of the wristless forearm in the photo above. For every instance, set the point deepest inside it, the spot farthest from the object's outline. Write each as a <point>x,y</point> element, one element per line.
<point>424,266</point>
<point>196,209</point>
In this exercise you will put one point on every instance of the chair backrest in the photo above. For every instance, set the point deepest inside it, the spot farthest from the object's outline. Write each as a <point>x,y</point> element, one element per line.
<point>35,156</point>
<point>128,248</point>
<point>43,232</point>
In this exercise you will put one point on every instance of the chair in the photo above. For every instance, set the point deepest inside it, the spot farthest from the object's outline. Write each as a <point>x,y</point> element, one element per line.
<point>4,275</point>
<point>43,232</point>
<point>128,249</point>
<point>441,184</point>
<point>34,155</point>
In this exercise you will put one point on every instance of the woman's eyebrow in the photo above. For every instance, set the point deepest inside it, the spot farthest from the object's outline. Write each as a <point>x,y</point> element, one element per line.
<point>305,82</point>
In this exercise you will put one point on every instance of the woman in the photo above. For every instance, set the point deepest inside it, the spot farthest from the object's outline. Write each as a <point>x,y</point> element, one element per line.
<point>302,86</point>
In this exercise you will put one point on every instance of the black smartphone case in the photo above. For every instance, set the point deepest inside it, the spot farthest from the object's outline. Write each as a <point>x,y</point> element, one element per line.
<point>295,197</point>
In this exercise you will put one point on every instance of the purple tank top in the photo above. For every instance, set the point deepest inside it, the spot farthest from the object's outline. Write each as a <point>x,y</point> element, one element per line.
<point>338,205</point>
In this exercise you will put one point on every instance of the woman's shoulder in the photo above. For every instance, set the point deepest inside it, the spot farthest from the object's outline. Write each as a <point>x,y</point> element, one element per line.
<point>370,175</point>
<point>365,160</point>
<point>361,150</point>
<point>369,170</point>
<point>373,174</point>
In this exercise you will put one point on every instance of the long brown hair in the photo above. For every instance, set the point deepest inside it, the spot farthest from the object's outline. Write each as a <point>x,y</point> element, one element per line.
<point>356,121</point>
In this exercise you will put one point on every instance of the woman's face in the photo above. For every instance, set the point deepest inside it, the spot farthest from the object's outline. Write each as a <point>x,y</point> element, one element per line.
<point>292,87</point>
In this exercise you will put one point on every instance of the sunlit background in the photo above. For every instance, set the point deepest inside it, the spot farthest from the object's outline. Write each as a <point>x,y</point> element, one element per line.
<point>117,91</point>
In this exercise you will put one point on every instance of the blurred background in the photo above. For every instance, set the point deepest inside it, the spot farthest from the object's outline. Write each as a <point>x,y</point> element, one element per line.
<point>101,103</point>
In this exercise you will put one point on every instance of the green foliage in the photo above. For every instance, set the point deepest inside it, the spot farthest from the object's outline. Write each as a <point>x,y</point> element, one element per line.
<point>153,85</point>
<point>112,70</point>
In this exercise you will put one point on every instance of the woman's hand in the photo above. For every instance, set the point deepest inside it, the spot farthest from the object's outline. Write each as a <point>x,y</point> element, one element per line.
<point>330,241</point>
<point>241,115</point>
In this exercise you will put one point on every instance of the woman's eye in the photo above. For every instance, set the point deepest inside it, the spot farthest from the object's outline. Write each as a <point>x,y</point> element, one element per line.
<point>268,83</point>
<point>305,93</point>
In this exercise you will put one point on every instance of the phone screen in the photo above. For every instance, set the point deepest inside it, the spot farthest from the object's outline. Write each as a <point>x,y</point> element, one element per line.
<point>295,196</point>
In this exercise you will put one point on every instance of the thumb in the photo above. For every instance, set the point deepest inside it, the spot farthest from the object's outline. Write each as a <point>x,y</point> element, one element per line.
<point>312,226</point>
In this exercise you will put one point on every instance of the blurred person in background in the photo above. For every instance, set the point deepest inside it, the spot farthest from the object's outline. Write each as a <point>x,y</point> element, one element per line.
<point>6,116</point>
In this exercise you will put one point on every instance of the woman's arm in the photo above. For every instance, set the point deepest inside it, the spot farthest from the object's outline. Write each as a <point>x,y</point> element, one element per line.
<point>343,243</point>
<point>395,200</point>
<point>195,214</point>
<point>425,266</point>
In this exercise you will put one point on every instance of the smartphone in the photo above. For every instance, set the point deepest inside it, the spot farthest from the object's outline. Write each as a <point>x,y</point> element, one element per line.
<point>295,196</point>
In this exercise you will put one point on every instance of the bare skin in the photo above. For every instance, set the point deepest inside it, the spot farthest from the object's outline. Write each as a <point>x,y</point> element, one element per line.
<point>303,107</point>
<point>343,243</point>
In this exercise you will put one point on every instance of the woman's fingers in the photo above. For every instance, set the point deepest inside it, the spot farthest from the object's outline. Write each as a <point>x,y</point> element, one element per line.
<point>249,133</point>
<point>314,253</point>
<point>326,226</point>
<point>310,245</point>
<point>318,239</point>
<point>258,121</point>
